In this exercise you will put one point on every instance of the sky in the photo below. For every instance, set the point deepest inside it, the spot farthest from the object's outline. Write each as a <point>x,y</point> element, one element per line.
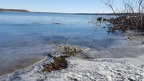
<point>64,6</point>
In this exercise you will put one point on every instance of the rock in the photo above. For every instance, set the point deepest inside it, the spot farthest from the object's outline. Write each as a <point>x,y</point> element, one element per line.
<point>101,19</point>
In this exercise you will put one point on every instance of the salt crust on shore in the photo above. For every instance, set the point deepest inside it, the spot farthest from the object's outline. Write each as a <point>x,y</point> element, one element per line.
<point>81,70</point>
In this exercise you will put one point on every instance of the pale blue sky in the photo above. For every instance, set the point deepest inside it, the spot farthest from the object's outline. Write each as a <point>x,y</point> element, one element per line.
<point>68,6</point>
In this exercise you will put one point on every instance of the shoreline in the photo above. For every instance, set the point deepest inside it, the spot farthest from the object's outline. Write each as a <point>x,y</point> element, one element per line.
<point>33,62</point>
<point>34,70</point>
<point>135,61</point>
<point>29,67</point>
<point>77,67</point>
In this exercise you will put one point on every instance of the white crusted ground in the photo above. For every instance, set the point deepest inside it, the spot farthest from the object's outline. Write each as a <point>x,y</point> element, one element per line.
<point>81,70</point>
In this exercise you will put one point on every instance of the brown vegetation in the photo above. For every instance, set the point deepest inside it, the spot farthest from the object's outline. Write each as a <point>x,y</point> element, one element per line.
<point>60,62</point>
<point>125,23</point>
<point>133,18</point>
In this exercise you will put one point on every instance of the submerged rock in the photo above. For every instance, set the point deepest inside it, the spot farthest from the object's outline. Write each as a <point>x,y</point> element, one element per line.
<point>57,23</point>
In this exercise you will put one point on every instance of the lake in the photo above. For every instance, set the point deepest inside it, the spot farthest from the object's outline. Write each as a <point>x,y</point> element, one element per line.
<point>25,38</point>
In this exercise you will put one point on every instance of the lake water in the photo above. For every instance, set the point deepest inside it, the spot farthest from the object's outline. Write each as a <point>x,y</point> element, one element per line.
<point>24,38</point>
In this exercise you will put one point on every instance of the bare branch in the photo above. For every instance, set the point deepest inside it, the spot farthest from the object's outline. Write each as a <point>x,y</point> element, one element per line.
<point>109,4</point>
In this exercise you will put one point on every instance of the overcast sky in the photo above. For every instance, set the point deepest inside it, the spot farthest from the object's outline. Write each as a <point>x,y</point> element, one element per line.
<point>66,6</point>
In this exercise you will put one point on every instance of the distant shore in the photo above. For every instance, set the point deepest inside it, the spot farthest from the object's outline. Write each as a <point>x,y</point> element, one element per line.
<point>24,10</point>
<point>13,10</point>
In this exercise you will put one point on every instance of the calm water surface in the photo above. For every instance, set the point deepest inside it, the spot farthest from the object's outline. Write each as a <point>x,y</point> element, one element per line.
<point>24,36</point>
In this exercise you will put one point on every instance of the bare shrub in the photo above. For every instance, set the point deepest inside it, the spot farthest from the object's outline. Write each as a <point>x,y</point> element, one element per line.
<point>130,14</point>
